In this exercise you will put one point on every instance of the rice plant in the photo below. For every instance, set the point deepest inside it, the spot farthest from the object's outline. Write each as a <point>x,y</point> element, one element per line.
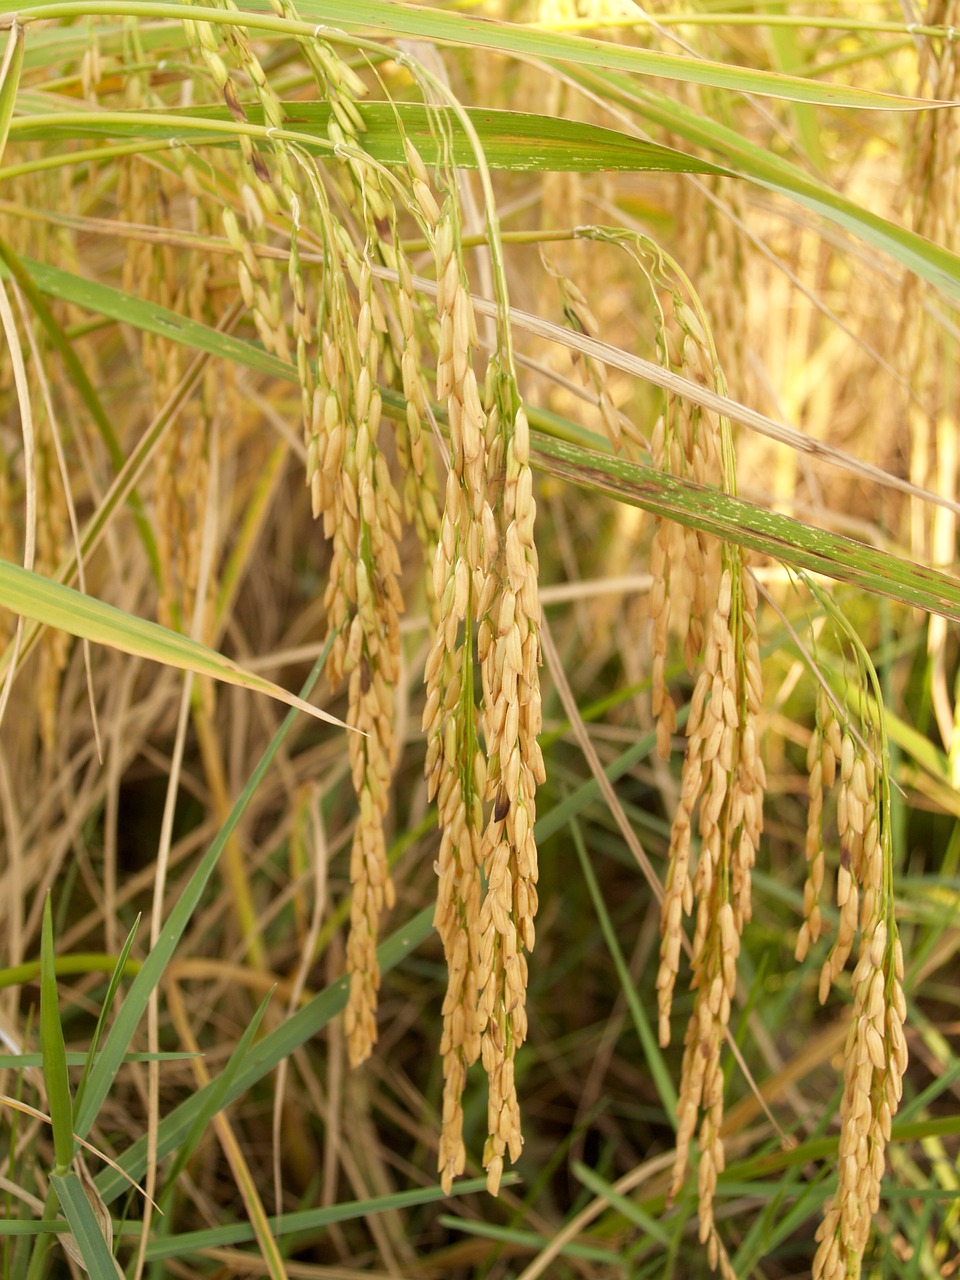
<point>562,399</point>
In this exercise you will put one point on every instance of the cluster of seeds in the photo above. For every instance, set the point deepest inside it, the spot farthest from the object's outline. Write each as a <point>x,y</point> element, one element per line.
<point>338,333</point>
<point>875,1053</point>
<point>455,765</point>
<point>723,776</point>
<point>823,752</point>
<point>875,1058</point>
<point>702,589</point>
<point>484,582</point>
<point>684,563</point>
<point>509,651</point>
<point>485,574</point>
<point>364,600</point>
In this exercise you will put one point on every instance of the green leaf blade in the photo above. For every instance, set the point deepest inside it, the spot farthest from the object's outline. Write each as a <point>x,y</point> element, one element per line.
<point>53,1048</point>
<point>34,596</point>
<point>98,1260</point>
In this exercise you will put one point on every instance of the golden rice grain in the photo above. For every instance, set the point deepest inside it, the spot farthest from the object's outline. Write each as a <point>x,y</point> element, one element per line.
<point>456,767</point>
<point>511,721</point>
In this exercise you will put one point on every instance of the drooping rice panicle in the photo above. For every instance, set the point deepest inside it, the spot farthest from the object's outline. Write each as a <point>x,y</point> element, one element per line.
<point>875,1052</point>
<point>456,766</point>
<point>510,656</point>
<point>705,588</point>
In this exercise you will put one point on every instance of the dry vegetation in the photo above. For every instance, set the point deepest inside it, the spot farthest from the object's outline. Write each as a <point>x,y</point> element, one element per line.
<point>285,372</point>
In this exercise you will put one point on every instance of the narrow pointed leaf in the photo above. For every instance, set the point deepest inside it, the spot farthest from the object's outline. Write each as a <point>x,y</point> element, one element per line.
<point>112,987</point>
<point>52,1046</point>
<point>97,1258</point>
<point>383,21</point>
<point>36,597</point>
<point>511,140</point>
<point>10,69</point>
<point>790,541</point>
<point>933,262</point>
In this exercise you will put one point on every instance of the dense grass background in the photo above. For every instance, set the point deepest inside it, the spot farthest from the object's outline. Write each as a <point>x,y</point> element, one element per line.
<point>810,198</point>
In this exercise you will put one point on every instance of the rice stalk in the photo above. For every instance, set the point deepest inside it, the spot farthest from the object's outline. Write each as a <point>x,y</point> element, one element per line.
<point>323,254</point>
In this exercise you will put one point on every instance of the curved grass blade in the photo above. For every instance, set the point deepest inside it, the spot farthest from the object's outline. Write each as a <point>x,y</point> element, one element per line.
<point>515,141</point>
<point>530,1240</point>
<point>117,305</point>
<point>384,21</point>
<point>119,970</point>
<point>381,21</point>
<point>651,1049</point>
<point>53,1049</point>
<point>97,1258</point>
<point>43,600</point>
<point>790,541</point>
<point>15,975</point>
<point>623,1204</point>
<point>308,1222</point>
<point>10,69</point>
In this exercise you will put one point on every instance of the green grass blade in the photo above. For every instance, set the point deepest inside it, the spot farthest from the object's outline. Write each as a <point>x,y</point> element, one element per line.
<point>15,975</point>
<point>112,987</point>
<point>791,541</point>
<point>512,141</point>
<point>215,1099</point>
<point>30,1226</point>
<point>531,1240</point>
<point>648,1041</point>
<point>305,1222</point>
<point>16,1061</point>
<point>53,1049</point>
<point>380,21</point>
<point>623,1204</point>
<point>385,20</point>
<point>97,1258</point>
<point>10,69</point>
<point>308,1222</point>
<point>151,318</point>
<point>131,1011</point>
<point>46,601</point>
